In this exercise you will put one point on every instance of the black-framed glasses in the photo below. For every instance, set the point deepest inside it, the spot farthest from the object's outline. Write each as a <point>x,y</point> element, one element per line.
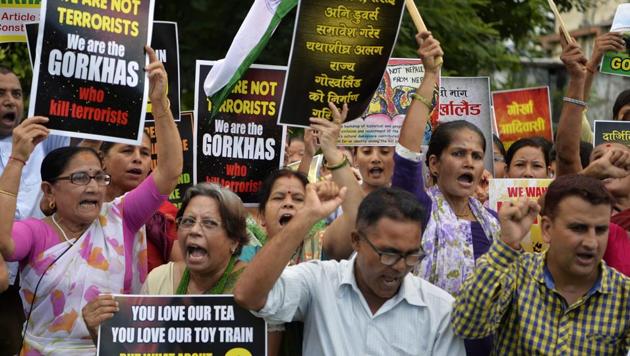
<point>391,258</point>
<point>188,222</point>
<point>82,178</point>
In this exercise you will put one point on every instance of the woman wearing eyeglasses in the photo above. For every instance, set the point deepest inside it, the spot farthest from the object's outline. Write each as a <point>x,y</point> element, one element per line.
<point>211,229</point>
<point>87,247</point>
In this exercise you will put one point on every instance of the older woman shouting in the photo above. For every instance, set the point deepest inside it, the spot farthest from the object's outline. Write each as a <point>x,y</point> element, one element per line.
<point>87,246</point>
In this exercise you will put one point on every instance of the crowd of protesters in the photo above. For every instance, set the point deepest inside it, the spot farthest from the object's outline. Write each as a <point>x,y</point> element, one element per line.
<point>393,252</point>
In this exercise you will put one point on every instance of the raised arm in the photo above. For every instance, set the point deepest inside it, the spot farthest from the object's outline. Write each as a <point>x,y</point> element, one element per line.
<point>169,145</point>
<point>262,273</point>
<point>570,125</point>
<point>412,131</point>
<point>310,147</point>
<point>337,240</point>
<point>487,293</point>
<point>611,41</point>
<point>25,137</point>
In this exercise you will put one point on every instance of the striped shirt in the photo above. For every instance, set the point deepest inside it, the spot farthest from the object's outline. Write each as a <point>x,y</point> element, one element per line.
<point>510,295</point>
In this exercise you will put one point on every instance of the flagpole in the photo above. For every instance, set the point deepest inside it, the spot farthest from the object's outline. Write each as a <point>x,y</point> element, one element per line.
<point>417,20</point>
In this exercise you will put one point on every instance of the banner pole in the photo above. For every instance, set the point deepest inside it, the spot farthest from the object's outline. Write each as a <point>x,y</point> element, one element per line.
<point>417,20</point>
<point>563,27</point>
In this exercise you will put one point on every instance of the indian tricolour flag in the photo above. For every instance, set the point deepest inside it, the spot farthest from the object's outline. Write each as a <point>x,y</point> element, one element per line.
<point>251,38</point>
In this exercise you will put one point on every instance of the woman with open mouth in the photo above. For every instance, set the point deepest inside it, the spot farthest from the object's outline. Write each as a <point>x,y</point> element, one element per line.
<point>211,230</point>
<point>87,246</point>
<point>282,195</point>
<point>458,229</point>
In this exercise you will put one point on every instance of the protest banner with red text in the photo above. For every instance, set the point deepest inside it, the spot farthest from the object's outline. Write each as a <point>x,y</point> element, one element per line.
<point>510,190</point>
<point>14,14</point>
<point>88,77</point>
<point>240,145</point>
<point>468,99</point>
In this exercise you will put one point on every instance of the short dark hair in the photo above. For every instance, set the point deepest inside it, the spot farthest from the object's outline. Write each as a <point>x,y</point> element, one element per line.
<point>586,149</point>
<point>106,146</point>
<point>536,142</point>
<point>392,203</point>
<point>57,160</point>
<point>587,188</point>
<point>497,142</point>
<point>443,136</point>
<point>233,213</point>
<point>265,188</point>
<point>622,100</point>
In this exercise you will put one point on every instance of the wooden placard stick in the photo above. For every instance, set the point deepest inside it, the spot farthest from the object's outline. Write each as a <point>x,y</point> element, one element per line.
<point>417,20</point>
<point>563,27</point>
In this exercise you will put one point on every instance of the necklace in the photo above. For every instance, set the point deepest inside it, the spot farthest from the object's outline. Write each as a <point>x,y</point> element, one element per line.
<point>218,288</point>
<point>467,214</point>
<point>62,232</point>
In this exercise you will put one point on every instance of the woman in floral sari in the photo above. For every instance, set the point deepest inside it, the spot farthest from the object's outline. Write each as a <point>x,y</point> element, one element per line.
<point>86,247</point>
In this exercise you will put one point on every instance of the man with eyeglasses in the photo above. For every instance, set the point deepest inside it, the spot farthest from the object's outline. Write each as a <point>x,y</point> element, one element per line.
<point>29,195</point>
<point>368,305</point>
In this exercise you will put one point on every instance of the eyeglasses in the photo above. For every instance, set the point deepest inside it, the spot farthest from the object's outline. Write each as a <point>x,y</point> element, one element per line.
<point>391,258</point>
<point>82,178</point>
<point>188,222</point>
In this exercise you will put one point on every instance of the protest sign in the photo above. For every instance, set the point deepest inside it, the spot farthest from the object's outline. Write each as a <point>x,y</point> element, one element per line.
<point>185,127</point>
<point>166,45</point>
<point>164,42</point>
<point>611,131</point>
<point>88,76</point>
<point>618,63</point>
<point>242,143</point>
<point>510,190</point>
<point>468,99</point>
<point>14,14</point>
<point>521,113</point>
<point>381,122</point>
<point>339,53</point>
<point>183,325</point>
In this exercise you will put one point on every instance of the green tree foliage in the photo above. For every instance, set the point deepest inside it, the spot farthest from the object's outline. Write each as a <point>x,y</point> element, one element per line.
<point>473,33</point>
<point>15,56</point>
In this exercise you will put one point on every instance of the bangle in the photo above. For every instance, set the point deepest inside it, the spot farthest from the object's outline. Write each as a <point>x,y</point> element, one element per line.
<point>4,192</point>
<point>574,101</point>
<point>343,163</point>
<point>423,100</point>
<point>17,159</point>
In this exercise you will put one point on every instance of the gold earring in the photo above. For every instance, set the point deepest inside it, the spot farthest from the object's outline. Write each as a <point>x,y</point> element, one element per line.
<point>52,205</point>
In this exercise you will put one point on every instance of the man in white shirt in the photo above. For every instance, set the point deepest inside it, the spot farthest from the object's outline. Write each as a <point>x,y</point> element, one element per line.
<point>29,195</point>
<point>368,305</point>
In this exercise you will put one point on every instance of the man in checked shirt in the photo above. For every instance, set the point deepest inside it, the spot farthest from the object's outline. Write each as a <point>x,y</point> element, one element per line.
<point>565,301</point>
